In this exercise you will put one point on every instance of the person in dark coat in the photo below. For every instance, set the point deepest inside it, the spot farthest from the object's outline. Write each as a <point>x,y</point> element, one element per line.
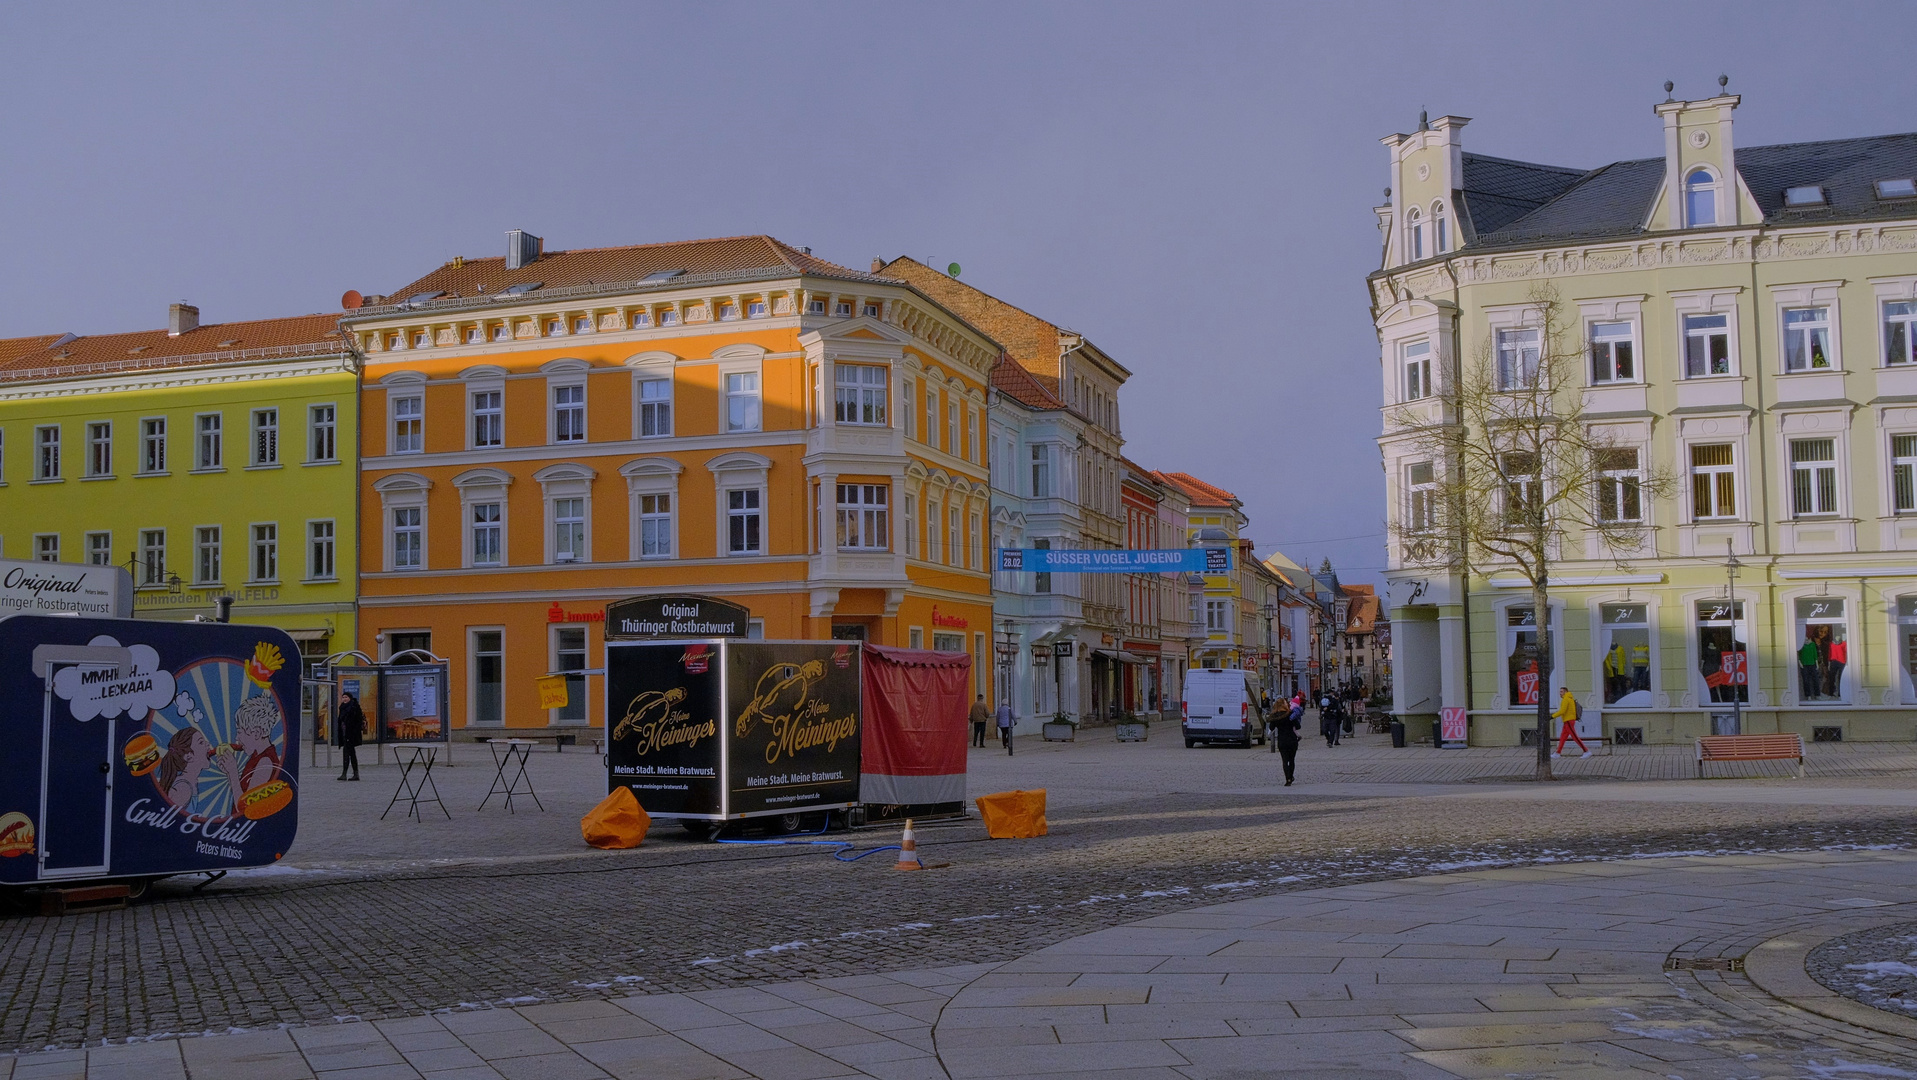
<point>1329,723</point>
<point>1283,735</point>
<point>350,723</point>
<point>980,717</point>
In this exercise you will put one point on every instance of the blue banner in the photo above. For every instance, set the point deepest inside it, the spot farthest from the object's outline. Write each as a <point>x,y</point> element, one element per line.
<point>1215,560</point>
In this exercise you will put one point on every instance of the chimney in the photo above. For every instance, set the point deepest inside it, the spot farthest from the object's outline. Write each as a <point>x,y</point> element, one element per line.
<point>180,318</point>
<point>522,248</point>
<point>878,264</point>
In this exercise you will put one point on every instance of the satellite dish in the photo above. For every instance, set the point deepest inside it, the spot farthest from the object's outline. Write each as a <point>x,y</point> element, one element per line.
<point>351,300</point>
<point>953,269</point>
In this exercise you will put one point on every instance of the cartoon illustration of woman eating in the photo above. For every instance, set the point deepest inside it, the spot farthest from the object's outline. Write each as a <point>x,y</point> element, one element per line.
<point>188,754</point>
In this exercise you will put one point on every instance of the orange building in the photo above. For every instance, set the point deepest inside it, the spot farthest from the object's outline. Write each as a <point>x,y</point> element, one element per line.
<point>550,431</point>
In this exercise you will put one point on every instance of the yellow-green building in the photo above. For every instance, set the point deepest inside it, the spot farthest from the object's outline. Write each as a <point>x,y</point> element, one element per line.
<point>1746,317</point>
<point>210,461</point>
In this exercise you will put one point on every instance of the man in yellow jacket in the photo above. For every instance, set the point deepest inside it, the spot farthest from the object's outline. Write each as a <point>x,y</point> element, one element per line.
<point>1568,713</point>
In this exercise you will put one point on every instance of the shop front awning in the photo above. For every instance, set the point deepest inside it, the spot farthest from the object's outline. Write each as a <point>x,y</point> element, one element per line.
<point>1121,656</point>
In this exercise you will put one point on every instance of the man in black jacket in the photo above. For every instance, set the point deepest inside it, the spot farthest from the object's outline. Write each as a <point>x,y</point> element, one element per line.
<point>350,724</point>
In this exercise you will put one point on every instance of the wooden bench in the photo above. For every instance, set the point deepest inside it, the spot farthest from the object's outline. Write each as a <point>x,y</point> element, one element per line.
<point>1750,748</point>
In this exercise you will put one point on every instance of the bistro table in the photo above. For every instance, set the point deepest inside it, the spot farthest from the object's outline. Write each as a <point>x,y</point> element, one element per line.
<point>508,754</point>
<point>414,792</point>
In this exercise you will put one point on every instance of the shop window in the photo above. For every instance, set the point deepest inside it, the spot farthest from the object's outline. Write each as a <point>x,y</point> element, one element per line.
<point>1907,645</point>
<point>1522,672</point>
<point>1626,640</point>
<point>569,655</point>
<point>1723,657</point>
<point>489,677</point>
<point>1822,650</point>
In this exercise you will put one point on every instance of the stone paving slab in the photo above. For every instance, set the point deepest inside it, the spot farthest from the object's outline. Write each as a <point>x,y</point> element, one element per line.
<point>1435,1002</point>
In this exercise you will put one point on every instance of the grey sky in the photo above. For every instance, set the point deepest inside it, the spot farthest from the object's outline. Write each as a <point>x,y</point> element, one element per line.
<point>1189,184</point>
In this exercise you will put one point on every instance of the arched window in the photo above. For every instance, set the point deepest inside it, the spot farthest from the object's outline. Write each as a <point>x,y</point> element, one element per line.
<point>1700,198</point>
<point>1415,223</point>
<point>1440,230</point>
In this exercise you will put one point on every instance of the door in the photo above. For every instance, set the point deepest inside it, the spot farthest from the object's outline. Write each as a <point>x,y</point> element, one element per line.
<point>76,791</point>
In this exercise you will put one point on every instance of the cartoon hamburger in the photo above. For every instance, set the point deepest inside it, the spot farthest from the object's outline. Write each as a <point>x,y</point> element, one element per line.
<point>16,835</point>
<point>142,754</point>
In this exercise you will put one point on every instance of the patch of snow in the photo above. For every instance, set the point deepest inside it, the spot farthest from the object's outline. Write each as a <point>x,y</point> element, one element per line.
<point>1881,968</point>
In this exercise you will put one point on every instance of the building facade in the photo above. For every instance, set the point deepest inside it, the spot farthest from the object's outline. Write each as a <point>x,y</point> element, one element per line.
<point>1747,317</point>
<point>1214,519</point>
<point>212,461</point>
<point>552,431</point>
<point>1086,381</point>
<point>1034,438</point>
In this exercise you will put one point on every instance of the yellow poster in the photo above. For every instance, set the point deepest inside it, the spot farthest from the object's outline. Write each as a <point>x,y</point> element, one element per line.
<point>552,691</point>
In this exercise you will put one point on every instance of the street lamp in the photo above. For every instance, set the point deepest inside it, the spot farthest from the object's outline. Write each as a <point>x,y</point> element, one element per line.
<point>1007,653</point>
<point>1270,612</point>
<point>1731,566</point>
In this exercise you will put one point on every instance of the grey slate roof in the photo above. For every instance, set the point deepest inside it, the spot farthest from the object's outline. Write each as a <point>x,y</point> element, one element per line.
<point>1513,203</point>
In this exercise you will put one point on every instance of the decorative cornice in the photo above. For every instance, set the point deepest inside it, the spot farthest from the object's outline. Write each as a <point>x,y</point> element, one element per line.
<point>174,378</point>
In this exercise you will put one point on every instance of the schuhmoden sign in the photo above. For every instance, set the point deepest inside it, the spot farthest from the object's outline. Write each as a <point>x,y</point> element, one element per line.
<point>47,588</point>
<point>642,617</point>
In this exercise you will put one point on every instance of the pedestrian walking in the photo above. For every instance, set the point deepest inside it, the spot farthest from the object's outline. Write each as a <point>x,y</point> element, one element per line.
<point>1328,724</point>
<point>1005,725</point>
<point>350,723</point>
<point>1283,735</point>
<point>980,716</point>
<point>1568,712</point>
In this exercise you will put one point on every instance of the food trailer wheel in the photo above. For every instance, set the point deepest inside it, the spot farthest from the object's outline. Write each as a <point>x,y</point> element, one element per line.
<point>790,823</point>
<point>703,830</point>
<point>136,888</point>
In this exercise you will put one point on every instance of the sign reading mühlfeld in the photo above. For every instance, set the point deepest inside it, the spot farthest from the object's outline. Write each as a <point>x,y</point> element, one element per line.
<point>48,588</point>
<point>1213,560</point>
<point>674,616</point>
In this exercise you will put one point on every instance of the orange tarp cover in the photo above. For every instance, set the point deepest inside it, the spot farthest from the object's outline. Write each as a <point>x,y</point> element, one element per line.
<point>617,822</point>
<point>1013,815</point>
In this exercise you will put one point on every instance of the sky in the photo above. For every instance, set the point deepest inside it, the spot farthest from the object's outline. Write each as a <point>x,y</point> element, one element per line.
<point>1189,184</point>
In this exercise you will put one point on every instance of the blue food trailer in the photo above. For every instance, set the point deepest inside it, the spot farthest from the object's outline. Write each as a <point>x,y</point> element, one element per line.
<point>137,749</point>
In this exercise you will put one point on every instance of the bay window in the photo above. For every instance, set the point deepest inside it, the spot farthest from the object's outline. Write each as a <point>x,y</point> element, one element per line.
<point>862,517</point>
<point>1417,370</point>
<point>860,394</point>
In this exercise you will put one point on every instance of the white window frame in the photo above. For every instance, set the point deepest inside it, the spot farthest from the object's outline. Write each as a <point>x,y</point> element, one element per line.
<point>931,415</point>
<point>911,514</point>
<point>1734,470</point>
<point>485,409</point>
<point>1044,467</point>
<point>1610,339</point>
<point>152,446</point>
<point>1820,479</point>
<point>971,434</point>
<point>398,439</point>
<point>908,407</point>
<point>584,686</point>
<point>952,424</point>
<point>934,529</point>
<point>322,550</point>
<point>737,471</point>
<point>1414,370</point>
<point>1903,473</point>
<point>403,491</point>
<point>472,679</point>
<point>209,556</point>
<point>1414,235</point>
<point>209,442</point>
<point>751,398</point>
<point>582,324</point>
<point>566,480</point>
<point>46,547</point>
<point>1708,302</point>
<point>1440,229</point>
<point>1510,376</point>
<point>263,438</point>
<point>863,516</point>
<point>1822,318</point>
<point>857,397</point>
<point>493,524</point>
<point>975,551</point>
<point>1887,291</point>
<point>1688,333</point>
<point>1618,479</point>
<point>46,452</point>
<point>99,551</point>
<point>1823,597</point>
<point>263,552</point>
<point>569,524</point>
<point>656,409</point>
<point>1713,187</point>
<point>99,449</point>
<point>152,571</point>
<point>1421,498</point>
<point>652,477</point>
<point>565,434</point>
<point>322,433</point>
<point>479,487</point>
<point>954,532</point>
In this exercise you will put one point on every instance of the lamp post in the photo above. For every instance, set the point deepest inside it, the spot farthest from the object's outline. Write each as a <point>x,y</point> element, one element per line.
<point>1007,653</point>
<point>1731,566</point>
<point>1270,612</point>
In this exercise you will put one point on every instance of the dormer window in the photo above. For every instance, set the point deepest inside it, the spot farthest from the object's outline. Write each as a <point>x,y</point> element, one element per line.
<point>1805,195</point>
<point>728,312</point>
<point>755,309</point>
<point>1414,223</point>
<point>422,340</point>
<point>641,319</point>
<point>502,332</point>
<point>1905,188</point>
<point>1700,198</point>
<point>669,317</point>
<point>472,335</point>
<point>1440,229</point>
<point>582,325</point>
<point>556,328</point>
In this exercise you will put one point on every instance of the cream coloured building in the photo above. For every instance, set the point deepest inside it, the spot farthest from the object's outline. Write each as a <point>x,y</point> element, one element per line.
<point>1749,324</point>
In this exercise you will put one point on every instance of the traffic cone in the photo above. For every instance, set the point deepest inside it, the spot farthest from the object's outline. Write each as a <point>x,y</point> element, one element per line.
<point>908,850</point>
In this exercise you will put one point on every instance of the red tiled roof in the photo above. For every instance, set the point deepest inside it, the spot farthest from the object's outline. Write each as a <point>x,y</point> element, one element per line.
<point>613,265</point>
<point>1012,380</point>
<point>1363,617</point>
<point>1028,339</point>
<point>1200,493</point>
<point>146,349</point>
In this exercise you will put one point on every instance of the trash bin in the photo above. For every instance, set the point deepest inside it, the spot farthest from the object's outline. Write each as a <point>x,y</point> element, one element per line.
<point>1397,734</point>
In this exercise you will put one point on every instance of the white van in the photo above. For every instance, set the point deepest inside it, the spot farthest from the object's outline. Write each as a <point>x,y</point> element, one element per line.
<point>1221,705</point>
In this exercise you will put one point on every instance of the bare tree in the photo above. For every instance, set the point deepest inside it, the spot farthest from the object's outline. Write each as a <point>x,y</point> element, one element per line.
<point>1509,471</point>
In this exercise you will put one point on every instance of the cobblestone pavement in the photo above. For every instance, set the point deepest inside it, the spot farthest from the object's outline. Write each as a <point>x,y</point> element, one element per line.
<point>1558,971</point>
<point>397,919</point>
<point>1877,966</point>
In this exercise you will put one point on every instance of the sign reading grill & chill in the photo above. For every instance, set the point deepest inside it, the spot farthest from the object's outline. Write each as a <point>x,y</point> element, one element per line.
<point>685,616</point>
